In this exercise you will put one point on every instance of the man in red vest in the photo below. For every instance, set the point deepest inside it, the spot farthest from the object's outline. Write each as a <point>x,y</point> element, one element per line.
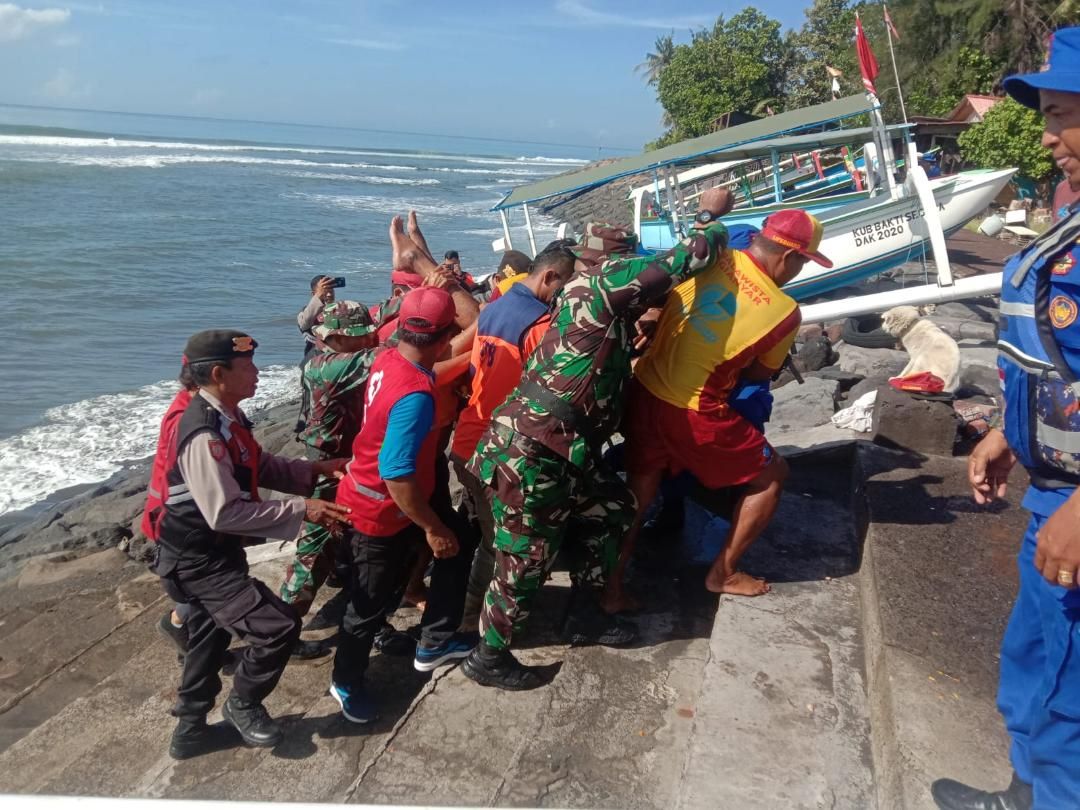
<point>388,488</point>
<point>212,505</point>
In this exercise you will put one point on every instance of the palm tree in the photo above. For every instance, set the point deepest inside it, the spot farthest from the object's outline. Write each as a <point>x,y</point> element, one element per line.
<point>656,61</point>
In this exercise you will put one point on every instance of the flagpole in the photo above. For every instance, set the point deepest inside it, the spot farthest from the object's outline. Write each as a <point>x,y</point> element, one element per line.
<point>896,73</point>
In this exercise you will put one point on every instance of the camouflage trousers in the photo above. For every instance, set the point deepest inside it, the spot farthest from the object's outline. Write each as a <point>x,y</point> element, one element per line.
<point>317,554</point>
<point>538,500</point>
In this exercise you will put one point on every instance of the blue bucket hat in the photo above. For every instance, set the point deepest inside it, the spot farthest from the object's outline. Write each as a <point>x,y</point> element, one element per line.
<point>1061,71</point>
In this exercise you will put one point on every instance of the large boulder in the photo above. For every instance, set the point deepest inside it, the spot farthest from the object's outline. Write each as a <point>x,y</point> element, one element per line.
<point>978,379</point>
<point>925,426</point>
<point>967,311</point>
<point>960,329</point>
<point>872,362</point>
<point>804,406</point>
<point>865,386</point>
<point>815,353</point>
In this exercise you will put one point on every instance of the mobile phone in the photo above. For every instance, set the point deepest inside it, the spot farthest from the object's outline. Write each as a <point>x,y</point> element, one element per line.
<point>339,281</point>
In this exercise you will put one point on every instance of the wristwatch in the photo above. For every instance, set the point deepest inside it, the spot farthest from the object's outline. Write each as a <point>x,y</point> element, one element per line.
<point>704,217</point>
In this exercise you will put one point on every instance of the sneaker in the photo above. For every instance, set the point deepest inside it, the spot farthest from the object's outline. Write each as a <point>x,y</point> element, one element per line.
<point>256,726</point>
<point>456,647</point>
<point>389,641</point>
<point>177,635</point>
<point>355,703</point>
<point>488,666</point>
<point>304,650</point>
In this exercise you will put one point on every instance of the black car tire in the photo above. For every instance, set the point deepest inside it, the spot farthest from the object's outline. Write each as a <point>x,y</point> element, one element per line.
<point>865,331</point>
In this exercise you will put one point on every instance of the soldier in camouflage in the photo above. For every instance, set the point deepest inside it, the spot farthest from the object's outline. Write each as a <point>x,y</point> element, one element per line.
<point>334,379</point>
<point>541,455</point>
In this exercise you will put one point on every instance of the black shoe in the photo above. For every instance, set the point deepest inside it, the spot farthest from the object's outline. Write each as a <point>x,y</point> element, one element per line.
<point>193,738</point>
<point>177,635</point>
<point>586,623</point>
<point>389,641</point>
<point>952,795</point>
<point>253,722</point>
<point>306,650</point>
<point>330,614</point>
<point>490,667</point>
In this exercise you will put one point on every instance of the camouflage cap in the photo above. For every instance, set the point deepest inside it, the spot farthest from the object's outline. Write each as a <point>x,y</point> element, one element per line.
<point>345,318</point>
<point>603,241</point>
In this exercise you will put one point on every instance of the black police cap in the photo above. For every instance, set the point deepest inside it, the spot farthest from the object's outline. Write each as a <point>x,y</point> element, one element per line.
<point>218,344</point>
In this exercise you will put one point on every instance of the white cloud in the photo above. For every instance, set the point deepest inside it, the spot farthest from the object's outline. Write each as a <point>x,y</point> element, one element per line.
<point>16,22</point>
<point>369,44</point>
<point>581,13</point>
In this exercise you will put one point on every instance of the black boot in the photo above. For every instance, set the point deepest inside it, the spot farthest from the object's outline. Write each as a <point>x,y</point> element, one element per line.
<point>951,795</point>
<point>330,614</point>
<point>586,622</point>
<point>193,737</point>
<point>390,641</point>
<point>490,667</point>
<point>253,722</point>
<point>306,650</point>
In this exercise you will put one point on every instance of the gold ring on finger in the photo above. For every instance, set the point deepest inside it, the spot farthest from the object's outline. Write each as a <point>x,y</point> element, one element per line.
<point>1065,577</point>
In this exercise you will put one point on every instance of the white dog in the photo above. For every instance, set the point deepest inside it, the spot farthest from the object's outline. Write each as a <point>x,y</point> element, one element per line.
<point>928,347</point>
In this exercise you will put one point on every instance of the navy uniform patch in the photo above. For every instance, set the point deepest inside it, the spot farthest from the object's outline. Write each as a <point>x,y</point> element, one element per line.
<point>1062,311</point>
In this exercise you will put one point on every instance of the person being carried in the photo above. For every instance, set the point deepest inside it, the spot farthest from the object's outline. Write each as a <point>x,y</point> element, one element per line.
<point>540,456</point>
<point>728,324</point>
<point>213,504</point>
<point>508,330</point>
<point>388,489</point>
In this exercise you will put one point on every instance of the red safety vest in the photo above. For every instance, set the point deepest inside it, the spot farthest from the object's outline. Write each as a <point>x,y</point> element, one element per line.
<point>164,459</point>
<point>183,527</point>
<point>363,490</point>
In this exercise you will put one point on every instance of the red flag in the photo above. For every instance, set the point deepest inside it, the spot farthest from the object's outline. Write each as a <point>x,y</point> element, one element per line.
<point>889,22</point>
<point>867,63</point>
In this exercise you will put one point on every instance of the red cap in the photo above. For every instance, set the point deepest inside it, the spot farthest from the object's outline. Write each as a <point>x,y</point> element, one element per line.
<point>795,229</point>
<point>426,310</point>
<point>406,278</point>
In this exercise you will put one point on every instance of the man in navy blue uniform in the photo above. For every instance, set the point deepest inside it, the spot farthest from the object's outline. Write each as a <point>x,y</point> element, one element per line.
<point>1039,691</point>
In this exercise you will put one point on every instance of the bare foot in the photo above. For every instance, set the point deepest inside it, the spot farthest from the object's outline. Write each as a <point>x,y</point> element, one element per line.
<point>737,584</point>
<point>417,236</point>
<point>616,600</point>
<point>401,245</point>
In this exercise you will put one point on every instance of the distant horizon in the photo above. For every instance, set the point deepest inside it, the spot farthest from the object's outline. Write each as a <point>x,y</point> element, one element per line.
<point>338,127</point>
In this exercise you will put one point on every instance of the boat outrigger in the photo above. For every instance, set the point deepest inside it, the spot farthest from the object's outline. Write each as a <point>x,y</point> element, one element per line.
<point>866,232</point>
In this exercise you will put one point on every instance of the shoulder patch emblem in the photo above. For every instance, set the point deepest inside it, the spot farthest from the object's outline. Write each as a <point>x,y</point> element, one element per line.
<point>1062,311</point>
<point>217,449</point>
<point>1064,265</point>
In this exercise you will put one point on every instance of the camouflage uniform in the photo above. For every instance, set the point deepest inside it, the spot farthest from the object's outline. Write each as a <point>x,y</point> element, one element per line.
<point>540,457</point>
<point>334,383</point>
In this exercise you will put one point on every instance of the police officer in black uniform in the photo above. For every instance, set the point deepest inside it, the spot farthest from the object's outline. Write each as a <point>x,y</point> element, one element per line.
<point>211,512</point>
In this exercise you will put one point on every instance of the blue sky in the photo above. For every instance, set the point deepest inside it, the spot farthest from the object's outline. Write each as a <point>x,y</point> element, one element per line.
<point>553,70</point>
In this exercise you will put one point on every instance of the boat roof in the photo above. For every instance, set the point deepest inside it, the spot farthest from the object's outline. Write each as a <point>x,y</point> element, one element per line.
<point>705,149</point>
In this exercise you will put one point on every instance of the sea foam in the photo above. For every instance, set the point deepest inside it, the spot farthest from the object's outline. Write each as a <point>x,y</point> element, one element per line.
<point>88,441</point>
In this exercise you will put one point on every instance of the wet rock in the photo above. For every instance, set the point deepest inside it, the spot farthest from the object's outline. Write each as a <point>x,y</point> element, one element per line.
<point>925,426</point>
<point>816,353</point>
<point>872,362</point>
<point>804,406</point>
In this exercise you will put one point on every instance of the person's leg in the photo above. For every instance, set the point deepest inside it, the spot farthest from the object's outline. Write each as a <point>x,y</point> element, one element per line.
<point>379,566</point>
<point>417,236</point>
<point>308,569</point>
<point>643,487</point>
<point>753,511</point>
<point>199,681</point>
<point>510,597</point>
<point>483,564</point>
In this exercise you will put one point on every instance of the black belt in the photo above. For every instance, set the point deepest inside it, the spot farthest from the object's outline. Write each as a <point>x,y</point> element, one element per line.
<point>562,410</point>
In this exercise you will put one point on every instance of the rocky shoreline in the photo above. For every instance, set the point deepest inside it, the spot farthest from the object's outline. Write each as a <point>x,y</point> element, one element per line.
<point>107,514</point>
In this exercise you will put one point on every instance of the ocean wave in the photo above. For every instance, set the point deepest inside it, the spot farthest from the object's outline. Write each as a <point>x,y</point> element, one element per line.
<point>382,205</point>
<point>86,442</point>
<point>126,143</point>
<point>498,184</point>
<point>160,161</point>
<point>366,178</point>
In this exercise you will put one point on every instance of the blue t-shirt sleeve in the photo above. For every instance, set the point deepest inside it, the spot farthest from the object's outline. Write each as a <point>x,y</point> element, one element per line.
<point>407,426</point>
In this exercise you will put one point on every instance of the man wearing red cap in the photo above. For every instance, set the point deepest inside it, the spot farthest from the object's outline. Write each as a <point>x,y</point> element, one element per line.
<point>388,488</point>
<point>729,323</point>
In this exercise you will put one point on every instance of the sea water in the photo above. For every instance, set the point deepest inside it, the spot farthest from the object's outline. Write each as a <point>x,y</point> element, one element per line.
<point>122,235</point>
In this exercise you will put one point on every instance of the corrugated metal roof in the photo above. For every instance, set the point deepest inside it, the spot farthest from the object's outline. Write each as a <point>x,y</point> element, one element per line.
<point>695,150</point>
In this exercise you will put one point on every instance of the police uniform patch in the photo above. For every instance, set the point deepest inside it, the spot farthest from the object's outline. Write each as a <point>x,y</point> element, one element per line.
<point>217,449</point>
<point>1064,265</point>
<point>1062,311</point>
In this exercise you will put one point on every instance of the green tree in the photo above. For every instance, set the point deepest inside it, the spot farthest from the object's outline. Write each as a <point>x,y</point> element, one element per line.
<point>1009,135</point>
<point>737,65</point>
<point>825,39</point>
<point>657,60</point>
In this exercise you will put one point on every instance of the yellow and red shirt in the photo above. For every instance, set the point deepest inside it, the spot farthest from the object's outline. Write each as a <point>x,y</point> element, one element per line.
<point>713,326</point>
